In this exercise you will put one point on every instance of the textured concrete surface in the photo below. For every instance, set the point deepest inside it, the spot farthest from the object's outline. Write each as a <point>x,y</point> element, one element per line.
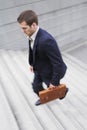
<point>67,22</point>
<point>17,109</point>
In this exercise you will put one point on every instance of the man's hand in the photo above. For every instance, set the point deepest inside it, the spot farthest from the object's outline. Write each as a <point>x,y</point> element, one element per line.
<point>51,86</point>
<point>31,68</point>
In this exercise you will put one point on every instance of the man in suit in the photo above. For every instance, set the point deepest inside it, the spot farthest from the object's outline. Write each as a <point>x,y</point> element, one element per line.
<point>44,55</point>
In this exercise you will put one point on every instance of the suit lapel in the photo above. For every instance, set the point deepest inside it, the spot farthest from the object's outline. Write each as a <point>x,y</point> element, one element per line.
<point>35,45</point>
<point>34,50</point>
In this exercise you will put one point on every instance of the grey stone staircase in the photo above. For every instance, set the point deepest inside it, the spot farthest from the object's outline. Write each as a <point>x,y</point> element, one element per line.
<point>17,109</point>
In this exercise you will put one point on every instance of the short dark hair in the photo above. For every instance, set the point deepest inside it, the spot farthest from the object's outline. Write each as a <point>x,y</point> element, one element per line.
<point>28,16</point>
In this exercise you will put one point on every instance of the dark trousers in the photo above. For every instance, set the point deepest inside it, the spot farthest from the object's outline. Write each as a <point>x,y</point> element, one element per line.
<point>37,83</point>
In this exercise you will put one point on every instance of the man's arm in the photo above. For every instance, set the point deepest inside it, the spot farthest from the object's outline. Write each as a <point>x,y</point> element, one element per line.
<point>54,55</point>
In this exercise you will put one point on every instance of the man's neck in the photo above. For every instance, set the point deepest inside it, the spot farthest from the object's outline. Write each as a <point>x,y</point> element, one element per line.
<point>35,33</point>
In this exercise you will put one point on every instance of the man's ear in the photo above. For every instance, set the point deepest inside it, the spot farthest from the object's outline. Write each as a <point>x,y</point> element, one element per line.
<point>33,25</point>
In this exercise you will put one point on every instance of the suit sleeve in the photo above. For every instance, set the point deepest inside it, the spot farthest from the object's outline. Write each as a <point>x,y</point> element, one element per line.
<point>54,55</point>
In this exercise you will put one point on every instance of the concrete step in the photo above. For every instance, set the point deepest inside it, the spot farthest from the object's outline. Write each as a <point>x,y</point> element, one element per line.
<point>7,119</point>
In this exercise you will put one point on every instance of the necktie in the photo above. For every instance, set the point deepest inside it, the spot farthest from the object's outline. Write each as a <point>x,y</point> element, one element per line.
<point>30,53</point>
<point>30,45</point>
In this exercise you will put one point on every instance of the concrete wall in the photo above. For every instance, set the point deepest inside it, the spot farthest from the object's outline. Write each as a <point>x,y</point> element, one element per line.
<point>66,20</point>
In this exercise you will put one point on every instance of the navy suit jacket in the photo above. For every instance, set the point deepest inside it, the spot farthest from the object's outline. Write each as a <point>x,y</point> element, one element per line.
<point>47,59</point>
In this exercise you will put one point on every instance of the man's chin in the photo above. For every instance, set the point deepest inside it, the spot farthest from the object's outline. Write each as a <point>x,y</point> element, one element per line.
<point>27,35</point>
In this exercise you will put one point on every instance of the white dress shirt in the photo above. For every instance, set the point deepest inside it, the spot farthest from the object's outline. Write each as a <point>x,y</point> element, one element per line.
<point>32,38</point>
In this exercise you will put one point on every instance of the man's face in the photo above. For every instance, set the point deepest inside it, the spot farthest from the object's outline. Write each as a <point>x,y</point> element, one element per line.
<point>28,30</point>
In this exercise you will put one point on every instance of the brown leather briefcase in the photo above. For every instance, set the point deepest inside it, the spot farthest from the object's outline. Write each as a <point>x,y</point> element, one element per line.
<point>51,94</point>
